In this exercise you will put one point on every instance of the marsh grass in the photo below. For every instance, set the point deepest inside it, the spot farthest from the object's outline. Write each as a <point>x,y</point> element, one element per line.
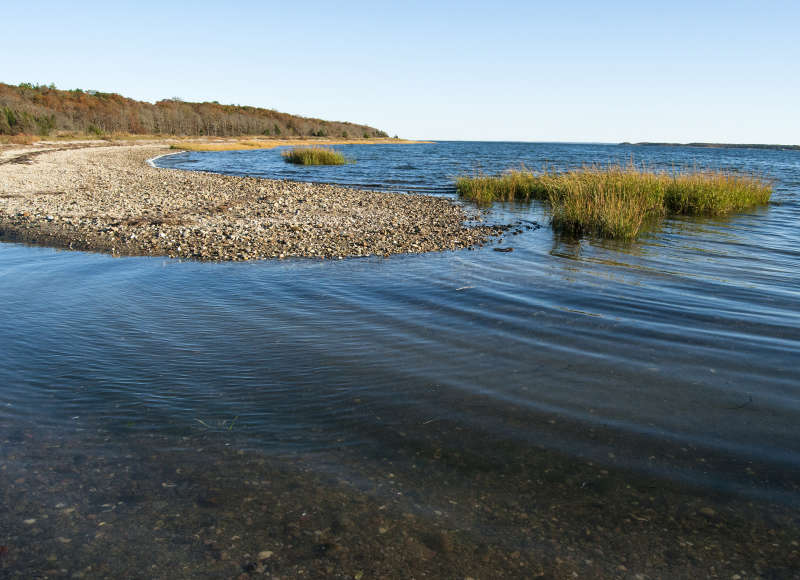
<point>618,201</point>
<point>19,139</point>
<point>315,156</point>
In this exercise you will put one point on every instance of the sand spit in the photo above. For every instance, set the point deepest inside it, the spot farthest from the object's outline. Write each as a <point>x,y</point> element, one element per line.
<point>107,198</point>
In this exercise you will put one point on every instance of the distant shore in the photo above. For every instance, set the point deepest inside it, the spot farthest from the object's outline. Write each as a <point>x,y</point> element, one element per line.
<point>718,145</point>
<point>244,143</point>
<point>194,143</point>
<point>105,197</point>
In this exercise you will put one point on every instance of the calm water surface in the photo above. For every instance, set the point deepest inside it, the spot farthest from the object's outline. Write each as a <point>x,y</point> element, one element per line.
<point>677,356</point>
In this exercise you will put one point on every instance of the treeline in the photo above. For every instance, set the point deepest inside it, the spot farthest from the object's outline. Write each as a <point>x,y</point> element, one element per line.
<point>719,145</point>
<point>42,109</point>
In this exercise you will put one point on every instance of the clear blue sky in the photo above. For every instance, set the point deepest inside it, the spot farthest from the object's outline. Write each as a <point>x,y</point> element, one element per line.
<point>532,71</point>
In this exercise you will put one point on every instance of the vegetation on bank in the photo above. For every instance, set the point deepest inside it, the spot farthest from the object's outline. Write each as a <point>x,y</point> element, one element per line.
<point>618,201</point>
<point>315,156</point>
<point>189,143</point>
<point>43,109</point>
<point>271,143</point>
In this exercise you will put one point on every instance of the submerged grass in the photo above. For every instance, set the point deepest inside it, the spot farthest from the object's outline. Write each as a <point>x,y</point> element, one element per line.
<point>315,156</point>
<point>617,201</point>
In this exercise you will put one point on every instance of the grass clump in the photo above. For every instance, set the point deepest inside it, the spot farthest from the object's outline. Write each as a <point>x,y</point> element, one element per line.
<point>617,201</point>
<point>514,184</point>
<point>315,156</point>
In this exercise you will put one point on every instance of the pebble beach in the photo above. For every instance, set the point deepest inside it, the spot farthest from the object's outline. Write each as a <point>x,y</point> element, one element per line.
<point>109,199</point>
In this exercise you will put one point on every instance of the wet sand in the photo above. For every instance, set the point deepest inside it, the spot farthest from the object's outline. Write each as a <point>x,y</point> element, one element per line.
<point>109,199</point>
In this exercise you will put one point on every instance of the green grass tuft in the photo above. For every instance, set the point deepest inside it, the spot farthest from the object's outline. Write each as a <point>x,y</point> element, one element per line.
<point>315,156</point>
<point>617,201</point>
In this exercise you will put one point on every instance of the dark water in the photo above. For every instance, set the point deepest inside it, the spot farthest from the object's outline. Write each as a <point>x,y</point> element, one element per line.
<point>691,335</point>
<point>677,356</point>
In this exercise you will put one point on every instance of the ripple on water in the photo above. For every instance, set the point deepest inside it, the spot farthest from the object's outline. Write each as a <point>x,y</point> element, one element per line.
<point>688,338</point>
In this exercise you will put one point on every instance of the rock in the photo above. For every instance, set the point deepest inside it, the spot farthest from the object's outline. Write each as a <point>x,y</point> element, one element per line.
<point>439,541</point>
<point>708,512</point>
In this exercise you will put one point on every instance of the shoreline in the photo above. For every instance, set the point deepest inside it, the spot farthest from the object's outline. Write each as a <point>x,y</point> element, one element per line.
<point>152,161</point>
<point>195,142</point>
<point>703,145</point>
<point>112,198</point>
<point>250,143</point>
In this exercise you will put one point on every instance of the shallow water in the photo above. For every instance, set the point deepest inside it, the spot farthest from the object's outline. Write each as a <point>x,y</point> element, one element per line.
<point>675,357</point>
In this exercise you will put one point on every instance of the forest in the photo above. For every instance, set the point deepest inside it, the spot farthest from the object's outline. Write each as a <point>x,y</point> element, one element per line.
<point>31,109</point>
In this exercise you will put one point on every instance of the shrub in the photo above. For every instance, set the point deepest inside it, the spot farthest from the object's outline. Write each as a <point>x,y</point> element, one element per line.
<point>6,117</point>
<point>46,124</point>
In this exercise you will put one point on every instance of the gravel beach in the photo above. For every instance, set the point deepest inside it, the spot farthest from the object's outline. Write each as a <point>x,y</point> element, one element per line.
<point>108,199</point>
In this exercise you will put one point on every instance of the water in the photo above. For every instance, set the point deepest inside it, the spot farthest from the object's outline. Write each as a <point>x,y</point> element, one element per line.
<point>674,358</point>
<point>430,167</point>
<point>690,335</point>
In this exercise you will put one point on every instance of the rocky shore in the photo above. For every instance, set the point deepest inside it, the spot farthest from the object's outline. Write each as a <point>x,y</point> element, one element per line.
<point>107,198</point>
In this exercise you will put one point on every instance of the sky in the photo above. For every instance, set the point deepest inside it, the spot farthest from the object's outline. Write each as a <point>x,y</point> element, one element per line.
<point>575,71</point>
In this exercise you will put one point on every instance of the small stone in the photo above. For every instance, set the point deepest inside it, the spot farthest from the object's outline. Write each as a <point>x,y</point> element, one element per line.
<point>439,542</point>
<point>708,512</point>
<point>265,554</point>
